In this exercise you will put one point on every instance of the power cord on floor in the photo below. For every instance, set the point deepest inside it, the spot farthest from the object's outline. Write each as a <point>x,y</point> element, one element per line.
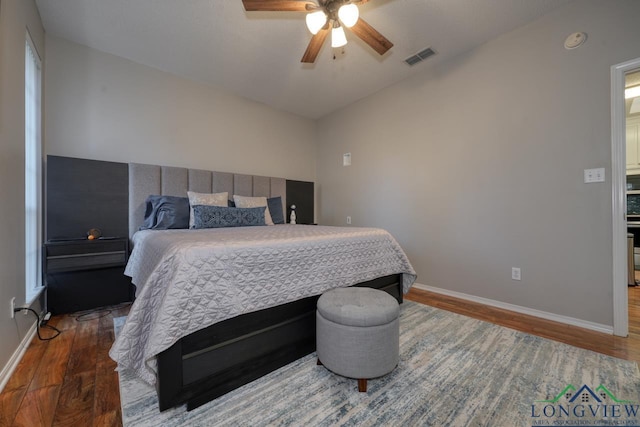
<point>92,314</point>
<point>58,332</point>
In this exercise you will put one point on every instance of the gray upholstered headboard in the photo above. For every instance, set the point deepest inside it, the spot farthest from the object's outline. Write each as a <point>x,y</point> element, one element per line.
<point>146,180</point>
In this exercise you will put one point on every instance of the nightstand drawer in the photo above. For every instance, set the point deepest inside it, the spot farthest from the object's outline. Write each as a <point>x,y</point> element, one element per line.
<point>58,263</point>
<point>85,274</point>
<point>82,247</point>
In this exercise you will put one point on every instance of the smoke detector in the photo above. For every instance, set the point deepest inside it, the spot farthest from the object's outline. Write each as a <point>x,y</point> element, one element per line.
<point>575,40</point>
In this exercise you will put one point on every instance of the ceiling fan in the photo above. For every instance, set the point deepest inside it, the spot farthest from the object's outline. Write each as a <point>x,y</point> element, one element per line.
<point>324,16</point>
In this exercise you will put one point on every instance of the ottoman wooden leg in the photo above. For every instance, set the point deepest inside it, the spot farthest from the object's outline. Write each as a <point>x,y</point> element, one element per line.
<point>362,385</point>
<point>318,362</point>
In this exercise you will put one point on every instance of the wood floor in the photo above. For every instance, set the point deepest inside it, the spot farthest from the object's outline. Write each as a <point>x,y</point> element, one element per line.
<point>70,381</point>
<point>623,348</point>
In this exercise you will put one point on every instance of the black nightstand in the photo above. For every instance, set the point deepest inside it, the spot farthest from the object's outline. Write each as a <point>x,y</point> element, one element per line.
<point>85,274</point>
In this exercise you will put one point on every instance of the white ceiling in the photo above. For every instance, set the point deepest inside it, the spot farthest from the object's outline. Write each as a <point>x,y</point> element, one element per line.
<point>257,54</point>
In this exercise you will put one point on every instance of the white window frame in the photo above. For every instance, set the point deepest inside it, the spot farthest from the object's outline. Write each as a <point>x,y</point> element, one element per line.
<point>33,171</point>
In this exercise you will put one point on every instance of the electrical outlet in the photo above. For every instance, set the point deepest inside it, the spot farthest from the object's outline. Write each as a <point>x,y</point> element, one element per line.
<point>348,220</point>
<point>515,273</point>
<point>13,307</point>
<point>45,319</point>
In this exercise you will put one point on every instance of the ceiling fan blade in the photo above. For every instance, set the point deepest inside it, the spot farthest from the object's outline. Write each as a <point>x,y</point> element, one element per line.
<point>370,36</point>
<point>277,5</point>
<point>314,46</point>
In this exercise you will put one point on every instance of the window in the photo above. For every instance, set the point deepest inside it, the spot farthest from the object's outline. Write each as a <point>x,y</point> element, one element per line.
<point>32,171</point>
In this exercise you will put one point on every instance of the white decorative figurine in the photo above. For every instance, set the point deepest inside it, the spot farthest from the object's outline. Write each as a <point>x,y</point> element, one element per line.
<point>292,217</point>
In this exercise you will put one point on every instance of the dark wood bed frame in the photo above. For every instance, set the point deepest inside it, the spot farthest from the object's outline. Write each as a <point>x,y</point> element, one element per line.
<point>211,362</point>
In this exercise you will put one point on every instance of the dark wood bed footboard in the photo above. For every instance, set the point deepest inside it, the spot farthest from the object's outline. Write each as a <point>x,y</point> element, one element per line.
<point>211,362</point>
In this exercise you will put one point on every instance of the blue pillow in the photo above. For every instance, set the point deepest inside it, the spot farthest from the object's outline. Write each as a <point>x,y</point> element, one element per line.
<point>166,212</point>
<point>275,209</point>
<point>219,217</point>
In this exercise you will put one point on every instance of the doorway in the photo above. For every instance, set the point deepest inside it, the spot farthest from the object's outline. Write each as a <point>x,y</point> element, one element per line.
<point>619,107</point>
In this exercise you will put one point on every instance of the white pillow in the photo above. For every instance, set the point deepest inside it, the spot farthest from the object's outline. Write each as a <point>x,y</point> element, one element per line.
<point>207,199</point>
<point>254,202</point>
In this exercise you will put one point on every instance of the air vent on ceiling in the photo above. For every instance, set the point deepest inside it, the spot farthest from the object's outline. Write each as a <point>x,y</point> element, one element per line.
<point>420,56</point>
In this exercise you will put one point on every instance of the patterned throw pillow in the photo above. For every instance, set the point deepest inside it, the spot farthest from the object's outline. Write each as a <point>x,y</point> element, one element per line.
<point>219,217</point>
<point>210,199</point>
<point>254,202</point>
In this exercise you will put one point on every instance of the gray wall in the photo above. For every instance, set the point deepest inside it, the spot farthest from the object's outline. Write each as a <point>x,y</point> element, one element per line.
<point>15,17</point>
<point>477,166</point>
<point>100,106</point>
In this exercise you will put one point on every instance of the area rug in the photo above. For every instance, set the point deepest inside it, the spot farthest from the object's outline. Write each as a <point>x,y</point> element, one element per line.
<point>453,371</point>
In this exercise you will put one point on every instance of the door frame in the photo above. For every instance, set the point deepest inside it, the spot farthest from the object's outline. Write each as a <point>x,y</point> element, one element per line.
<point>618,196</point>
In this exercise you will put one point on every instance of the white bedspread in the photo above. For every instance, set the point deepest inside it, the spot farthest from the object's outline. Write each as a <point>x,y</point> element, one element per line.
<point>190,279</point>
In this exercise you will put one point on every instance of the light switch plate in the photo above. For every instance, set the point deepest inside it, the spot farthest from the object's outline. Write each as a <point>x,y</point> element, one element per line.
<point>594,175</point>
<point>346,159</point>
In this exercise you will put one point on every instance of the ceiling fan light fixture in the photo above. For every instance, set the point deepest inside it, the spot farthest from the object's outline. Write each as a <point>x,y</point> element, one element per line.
<point>348,14</point>
<point>315,21</point>
<point>325,15</point>
<point>338,38</point>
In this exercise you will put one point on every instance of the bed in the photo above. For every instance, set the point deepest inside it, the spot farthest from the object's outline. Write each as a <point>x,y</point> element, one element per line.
<point>218,308</point>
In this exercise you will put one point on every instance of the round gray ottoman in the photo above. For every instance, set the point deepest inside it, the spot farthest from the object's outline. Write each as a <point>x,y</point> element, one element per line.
<point>357,333</point>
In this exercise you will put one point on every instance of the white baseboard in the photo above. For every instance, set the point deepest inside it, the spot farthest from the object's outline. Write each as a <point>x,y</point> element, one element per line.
<point>598,327</point>
<point>16,357</point>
